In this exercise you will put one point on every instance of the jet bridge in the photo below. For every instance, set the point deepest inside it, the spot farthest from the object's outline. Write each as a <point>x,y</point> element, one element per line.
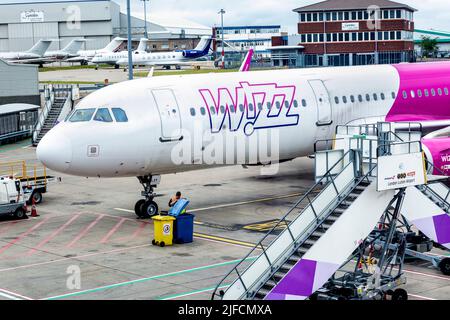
<point>356,184</point>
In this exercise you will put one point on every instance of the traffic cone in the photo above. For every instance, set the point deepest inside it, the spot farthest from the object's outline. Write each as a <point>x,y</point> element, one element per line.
<point>34,213</point>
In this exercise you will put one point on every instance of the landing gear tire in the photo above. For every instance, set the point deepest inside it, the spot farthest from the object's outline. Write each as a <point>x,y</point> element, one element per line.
<point>137,208</point>
<point>445,266</point>
<point>400,295</point>
<point>116,66</point>
<point>149,209</point>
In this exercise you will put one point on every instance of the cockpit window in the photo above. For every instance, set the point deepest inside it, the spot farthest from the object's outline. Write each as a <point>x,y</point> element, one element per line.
<point>82,115</point>
<point>103,115</point>
<point>120,115</point>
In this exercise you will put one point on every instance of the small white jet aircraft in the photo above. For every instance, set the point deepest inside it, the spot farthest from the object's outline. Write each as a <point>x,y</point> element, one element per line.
<point>36,52</point>
<point>173,58</point>
<point>113,57</point>
<point>85,56</point>
<point>70,51</point>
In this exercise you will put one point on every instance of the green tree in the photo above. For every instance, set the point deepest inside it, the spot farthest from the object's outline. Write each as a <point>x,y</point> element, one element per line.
<point>429,46</point>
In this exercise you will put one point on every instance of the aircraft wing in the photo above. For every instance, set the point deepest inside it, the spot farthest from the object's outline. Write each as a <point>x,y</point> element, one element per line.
<point>33,61</point>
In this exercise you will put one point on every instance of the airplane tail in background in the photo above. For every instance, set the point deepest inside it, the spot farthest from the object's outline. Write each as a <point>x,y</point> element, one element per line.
<point>114,45</point>
<point>204,45</point>
<point>40,48</point>
<point>74,46</point>
<point>143,45</point>
<point>245,67</point>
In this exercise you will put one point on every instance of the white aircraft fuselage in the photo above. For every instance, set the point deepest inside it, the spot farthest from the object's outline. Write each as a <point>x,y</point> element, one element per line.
<point>159,111</point>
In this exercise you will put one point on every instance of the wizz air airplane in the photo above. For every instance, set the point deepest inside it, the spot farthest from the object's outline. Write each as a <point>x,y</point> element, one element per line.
<point>168,59</point>
<point>135,128</point>
<point>113,57</point>
<point>36,52</point>
<point>85,56</point>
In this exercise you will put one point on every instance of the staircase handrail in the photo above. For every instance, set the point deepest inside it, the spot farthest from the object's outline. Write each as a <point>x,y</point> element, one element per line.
<point>327,175</point>
<point>43,114</point>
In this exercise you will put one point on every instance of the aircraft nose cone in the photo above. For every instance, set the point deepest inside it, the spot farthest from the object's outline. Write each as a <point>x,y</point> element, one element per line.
<point>55,151</point>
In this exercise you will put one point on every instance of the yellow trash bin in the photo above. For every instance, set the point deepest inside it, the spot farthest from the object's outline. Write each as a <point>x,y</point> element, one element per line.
<point>163,230</point>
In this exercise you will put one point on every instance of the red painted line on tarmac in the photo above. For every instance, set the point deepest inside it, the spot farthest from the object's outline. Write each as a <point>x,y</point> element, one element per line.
<point>53,235</point>
<point>73,258</point>
<point>85,231</point>
<point>113,230</point>
<point>7,227</point>
<point>23,235</point>
<point>139,230</point>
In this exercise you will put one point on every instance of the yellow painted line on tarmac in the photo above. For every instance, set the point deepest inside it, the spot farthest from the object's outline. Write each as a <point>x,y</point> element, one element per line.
<point>224,240</point>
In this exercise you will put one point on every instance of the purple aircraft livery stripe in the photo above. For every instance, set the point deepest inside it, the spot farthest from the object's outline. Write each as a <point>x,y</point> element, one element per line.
<point>303,280</point>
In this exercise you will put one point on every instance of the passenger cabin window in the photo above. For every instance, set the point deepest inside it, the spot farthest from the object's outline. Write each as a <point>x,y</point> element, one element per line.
<point>120,115</point>
<point>82,115</point>
<point>304,104</point>
<point>405,95</point>
<point>360,98</point>
<point>103,115</point>
<point>440,91</point>
<point>193,112</point>
<point>336,99</point>
<point>344,99</point>
<point>383,97</point>
<point>202,111</point>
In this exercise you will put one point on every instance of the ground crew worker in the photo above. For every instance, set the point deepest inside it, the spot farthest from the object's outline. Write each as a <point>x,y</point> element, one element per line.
<point>174,199</point>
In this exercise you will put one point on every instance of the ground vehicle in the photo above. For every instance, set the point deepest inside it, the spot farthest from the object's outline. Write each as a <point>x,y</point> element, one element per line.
<point>33,180</point>
<point>12,201</point>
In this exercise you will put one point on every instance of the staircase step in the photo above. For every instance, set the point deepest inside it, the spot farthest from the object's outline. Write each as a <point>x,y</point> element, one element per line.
<point>269,285</point>
<point>332,219</point>
<point>279,275</point>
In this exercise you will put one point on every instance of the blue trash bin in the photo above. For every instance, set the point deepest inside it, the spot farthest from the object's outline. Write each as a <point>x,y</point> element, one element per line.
<point>183,230</point>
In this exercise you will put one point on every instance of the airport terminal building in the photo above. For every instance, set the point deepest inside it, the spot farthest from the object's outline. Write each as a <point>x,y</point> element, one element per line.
<point>98,21</point>
<point>348,32</point>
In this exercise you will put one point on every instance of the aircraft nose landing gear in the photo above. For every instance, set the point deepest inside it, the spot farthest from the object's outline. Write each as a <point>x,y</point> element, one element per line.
<point>147,208</point>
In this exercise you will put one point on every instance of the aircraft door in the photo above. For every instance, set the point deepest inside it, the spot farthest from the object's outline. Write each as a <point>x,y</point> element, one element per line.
<point>324,111</point>
<point>169,114</point>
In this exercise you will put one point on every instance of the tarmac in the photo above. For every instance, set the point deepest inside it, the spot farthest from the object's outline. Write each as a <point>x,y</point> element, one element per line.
<point>87,227</point>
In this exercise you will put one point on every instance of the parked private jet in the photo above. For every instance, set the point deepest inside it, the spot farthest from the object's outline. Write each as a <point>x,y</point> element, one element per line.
<point>36,52</point>
<point>85,56</point>
<point>113,57</point>
<point>174,58</point>
<point>70,51</point>
<point>131,129</point>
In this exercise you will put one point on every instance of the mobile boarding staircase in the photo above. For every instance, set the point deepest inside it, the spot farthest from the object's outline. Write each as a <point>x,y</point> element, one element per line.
<point>58,104</point>
<point>322,232</point>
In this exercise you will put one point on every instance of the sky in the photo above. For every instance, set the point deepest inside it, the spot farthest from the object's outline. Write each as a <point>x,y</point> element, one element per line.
<point>432,14</point>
